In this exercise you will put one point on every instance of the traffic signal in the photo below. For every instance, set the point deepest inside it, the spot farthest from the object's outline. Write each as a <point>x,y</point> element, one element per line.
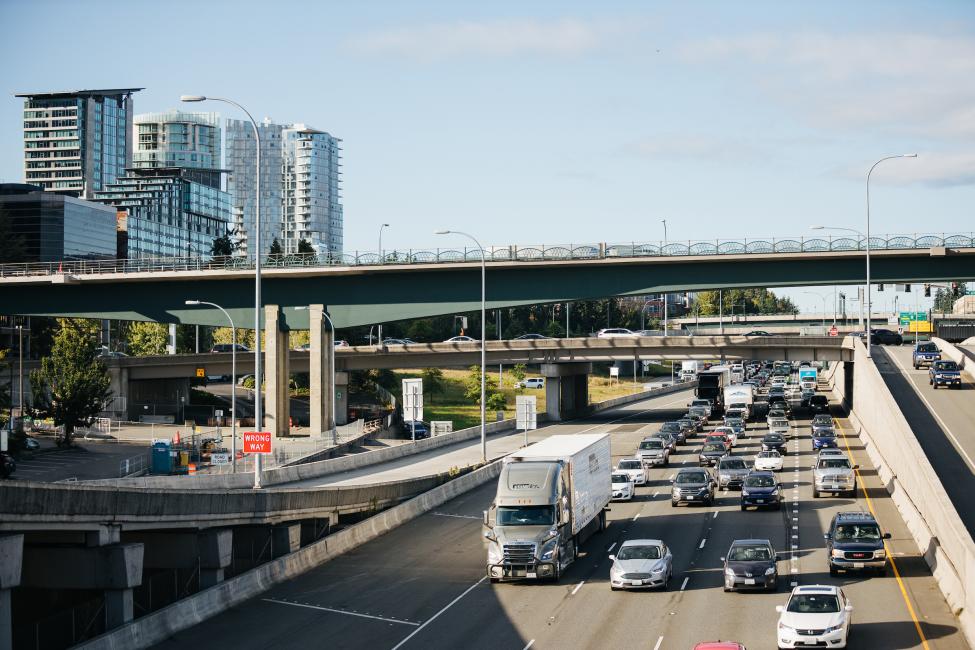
<point>907,288</point>
<point>880,287</point>
<point>927,291</point>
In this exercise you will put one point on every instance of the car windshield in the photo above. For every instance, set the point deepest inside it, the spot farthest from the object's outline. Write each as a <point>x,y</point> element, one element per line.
<point>825,433</point>
<point>630,464</point>
<point>759,481</point>
<point>819,399</point>
<point>700,402</point>
<point>814,604</point>
<point>526,515</point>
<point>772,437</point>
<point>639,553</point>
<point>621,478</point>
<point>945,365</point>
<point>834,463</point>
<point>714,446</point>
<point>733,463</point>
<point>652,444</point>
<point>822,418</point>
<point>734,422</point>
<point>688,478</point>
<point>769,454</point>
<point>927,347</point>
<point>669,427</point>
<point>749,554</point>
<point>697,410</point>
<point>857,533</point>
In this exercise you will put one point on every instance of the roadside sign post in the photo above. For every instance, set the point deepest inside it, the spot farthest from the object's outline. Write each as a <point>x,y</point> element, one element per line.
<point>413,402</point>
<point>833,331</point>
<point>526,416</point>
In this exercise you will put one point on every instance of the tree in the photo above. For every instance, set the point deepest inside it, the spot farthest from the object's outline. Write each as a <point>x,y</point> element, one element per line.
<point>245,337</point>
<point>518,371</point>
<point>224,245</point>
<point>276,247</point>
<point>433,382</point>
<point>472,385</point>
<point>944,298</point>
<point>147,339</point>
<point>304,246</point>
<point>72,386</point>
<point>496,402</point>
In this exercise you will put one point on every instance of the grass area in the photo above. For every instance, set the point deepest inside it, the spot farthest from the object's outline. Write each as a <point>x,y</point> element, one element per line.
<point>452,405</point>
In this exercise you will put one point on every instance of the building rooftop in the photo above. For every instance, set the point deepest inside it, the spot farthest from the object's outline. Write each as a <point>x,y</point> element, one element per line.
<point>84,93</point>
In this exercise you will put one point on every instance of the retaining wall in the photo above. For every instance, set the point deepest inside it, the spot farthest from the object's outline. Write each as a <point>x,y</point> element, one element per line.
<point>914,486</point>
<point>158,626</point>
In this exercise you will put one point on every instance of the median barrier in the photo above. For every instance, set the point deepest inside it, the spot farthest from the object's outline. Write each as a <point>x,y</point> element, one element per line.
<point>642,395</point>
<point>160,625</point>
<point>964,357</point>
<point>914,486</point>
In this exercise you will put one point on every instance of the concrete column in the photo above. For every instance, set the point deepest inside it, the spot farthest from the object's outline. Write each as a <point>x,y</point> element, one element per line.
<point>277,403</point>
<point>566,389</point>
<point>11,560</point>
<point>285,539</point>
<point>216,554</point>
<point>210,550</point>
<point>319,371</point>
<point>341,398</point>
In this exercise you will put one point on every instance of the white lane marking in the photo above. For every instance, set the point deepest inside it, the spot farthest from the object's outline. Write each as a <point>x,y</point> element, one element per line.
<point>937,417</point>
<point>434,617</point>
<point>703,542</point>
<point>611,547</point>
<point>636,516</point>
<point>578,587</point>
<point>447,514</point>
<point>659,641</point>
<point>339,611</point>
<point>530,644</point>
<point>715,515</point>
<point>684,584</point>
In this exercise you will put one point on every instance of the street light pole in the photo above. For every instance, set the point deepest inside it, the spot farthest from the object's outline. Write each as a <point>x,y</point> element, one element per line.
<point>483,331</point>
<point>258,402</point>
<point>233,380</point>
<point>382,260</point>
<point>664,221</point>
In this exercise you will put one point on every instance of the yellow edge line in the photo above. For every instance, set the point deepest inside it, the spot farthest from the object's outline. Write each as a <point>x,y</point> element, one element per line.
<point>890,555</point>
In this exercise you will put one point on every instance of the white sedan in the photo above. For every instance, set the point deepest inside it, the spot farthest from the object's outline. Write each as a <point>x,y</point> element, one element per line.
<point>768,461</point>
<point>634,468</point>
<point>623,487</point>
<point>614,332</point>
<point>817,615</point>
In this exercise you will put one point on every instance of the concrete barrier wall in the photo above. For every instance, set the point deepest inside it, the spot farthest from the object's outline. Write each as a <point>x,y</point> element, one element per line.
<point>964,357</point>
<point>158,626</point>
<point>915,488</point>
<point>636,397</point>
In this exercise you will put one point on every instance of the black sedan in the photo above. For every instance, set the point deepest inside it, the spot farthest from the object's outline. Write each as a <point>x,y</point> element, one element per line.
<point>885,337</point>
<point>712,452</point>
<point>750,564</point>
<point>773,442</point>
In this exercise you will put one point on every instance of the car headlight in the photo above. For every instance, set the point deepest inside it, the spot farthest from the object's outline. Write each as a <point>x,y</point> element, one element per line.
<point>832,629</point>
<point>770,571</point>
<point>775,490</point>
<point>880,553</point>
<point>745,493</point>
<point>785,628</point>
<point>549,550</point>
<point>729,571</point>
<point>658,570</point>
<point>615,572</point>
<point>837,553</point>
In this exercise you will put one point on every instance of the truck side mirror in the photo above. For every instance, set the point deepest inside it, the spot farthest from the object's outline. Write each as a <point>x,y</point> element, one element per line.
<point>826,536</point>
<point>612,557</point>
<point>886,535</point>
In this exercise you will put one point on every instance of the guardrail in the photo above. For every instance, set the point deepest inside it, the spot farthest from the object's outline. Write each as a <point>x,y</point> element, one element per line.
<point>507,253</point>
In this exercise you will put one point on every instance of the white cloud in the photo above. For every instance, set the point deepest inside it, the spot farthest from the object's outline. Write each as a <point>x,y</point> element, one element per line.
<point>498,38</point>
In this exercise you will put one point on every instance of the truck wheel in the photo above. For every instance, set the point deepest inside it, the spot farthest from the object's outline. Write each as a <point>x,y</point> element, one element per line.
<point>935,386</point>
<point>815,493</point>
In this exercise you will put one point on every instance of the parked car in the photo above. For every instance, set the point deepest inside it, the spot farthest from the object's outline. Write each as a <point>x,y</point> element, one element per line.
<point>653,451</point>
<point>634,468</point>
<point>622,486</point>
<point>885,337</point>
<point>641,564</point>
<point>420,428</point>
<point>614,332</point>
<point>768,461</point>
<point>834,474</point>
<point>750,564</point>
<point>944,373</point>
<point>692,486</point>
<point>228,347</point>
<point>711,452</point>
<point>761,490</point>
<point>854,542</point>
<point>531,382</point>
<point>816,615</point>
<point>731,471</point>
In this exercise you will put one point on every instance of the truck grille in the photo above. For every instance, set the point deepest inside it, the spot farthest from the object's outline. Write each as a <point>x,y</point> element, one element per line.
<point>859,555</point>
<point>519,554</point>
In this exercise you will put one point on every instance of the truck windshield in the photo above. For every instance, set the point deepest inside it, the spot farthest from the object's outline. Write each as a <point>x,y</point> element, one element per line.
<point>927,347</point>
<point>525,516</point>
<point>834,463</point>
<point>946,365</point>
<point>652,444</point>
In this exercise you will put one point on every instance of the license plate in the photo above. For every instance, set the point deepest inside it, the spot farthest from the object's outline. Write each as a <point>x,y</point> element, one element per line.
<point>636,583</point>
<point>759,500</point>
<point>691,498</point>
<point>531,575</point>
<point>835,487</point>
<point>858,565</point>
<point>749,581</point>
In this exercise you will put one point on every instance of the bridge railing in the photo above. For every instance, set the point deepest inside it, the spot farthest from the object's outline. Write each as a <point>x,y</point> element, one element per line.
<point>505,253</point>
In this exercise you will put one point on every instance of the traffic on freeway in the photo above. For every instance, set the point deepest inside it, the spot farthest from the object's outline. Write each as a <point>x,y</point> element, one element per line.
<point>811,553</point>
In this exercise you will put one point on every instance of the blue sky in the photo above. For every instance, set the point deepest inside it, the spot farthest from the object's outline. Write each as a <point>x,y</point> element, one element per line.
<point>559,122</point>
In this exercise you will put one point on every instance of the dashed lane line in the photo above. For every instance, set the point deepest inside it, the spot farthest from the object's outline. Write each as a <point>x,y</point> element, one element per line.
<point>340,611</point>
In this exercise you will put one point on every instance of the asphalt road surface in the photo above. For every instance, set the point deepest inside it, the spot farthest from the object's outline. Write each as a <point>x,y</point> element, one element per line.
<point>943,421</point>
<point>423,585</point>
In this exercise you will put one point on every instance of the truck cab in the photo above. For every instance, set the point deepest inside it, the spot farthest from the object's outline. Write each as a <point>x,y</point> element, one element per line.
<point>926,354</point>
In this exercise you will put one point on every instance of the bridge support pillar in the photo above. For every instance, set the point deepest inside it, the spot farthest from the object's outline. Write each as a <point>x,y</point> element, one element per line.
<point>341,398</point>
<point>210,550</point>
<point>566,389</point>
<point>277,406</point>
<point>285,538</point>
<point>11,560</point>
<point>320,359</point>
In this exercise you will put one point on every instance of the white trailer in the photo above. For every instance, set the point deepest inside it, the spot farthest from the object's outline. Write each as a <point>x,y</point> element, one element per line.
<point>740,394</point>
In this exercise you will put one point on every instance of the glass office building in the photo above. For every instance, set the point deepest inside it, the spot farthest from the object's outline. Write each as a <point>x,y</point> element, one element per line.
<point>177,139</point>
<point>77,141</point>
<point>168,212</point>
<point>55,227</point>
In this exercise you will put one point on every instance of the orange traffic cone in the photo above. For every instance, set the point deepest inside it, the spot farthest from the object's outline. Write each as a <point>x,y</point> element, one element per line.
<point>176,438</point>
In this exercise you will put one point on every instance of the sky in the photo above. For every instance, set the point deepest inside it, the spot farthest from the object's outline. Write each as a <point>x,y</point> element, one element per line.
<point>559,122</point>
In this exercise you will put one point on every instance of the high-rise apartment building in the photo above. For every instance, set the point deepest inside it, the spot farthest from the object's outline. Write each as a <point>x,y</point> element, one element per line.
<point>300,176</point>
<point>177,139</point>
<point>77,141</point>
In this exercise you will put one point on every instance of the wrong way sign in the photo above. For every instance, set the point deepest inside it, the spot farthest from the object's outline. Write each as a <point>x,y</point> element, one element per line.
<point>257,442</point>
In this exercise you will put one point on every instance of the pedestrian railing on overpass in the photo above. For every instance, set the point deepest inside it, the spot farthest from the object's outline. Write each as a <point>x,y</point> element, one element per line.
<point>506,253</point>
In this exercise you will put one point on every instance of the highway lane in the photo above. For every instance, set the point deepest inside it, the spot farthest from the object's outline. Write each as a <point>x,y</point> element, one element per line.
<point>422,584</point>
<point>943,421</point>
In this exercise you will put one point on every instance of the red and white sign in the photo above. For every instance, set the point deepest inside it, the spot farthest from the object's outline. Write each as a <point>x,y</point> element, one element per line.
<point>257,442</point>
<point>833,331</point>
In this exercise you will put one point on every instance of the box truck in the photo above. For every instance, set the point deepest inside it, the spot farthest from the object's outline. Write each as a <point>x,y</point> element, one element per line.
<point>551,497</point>
<point>740,396</point>
<point>808,377</point>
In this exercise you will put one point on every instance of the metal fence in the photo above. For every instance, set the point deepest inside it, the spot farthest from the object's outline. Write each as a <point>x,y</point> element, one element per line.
<point>506,253</point>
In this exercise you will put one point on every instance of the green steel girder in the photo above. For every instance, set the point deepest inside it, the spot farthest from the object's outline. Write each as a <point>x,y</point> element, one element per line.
<point>382,294</point>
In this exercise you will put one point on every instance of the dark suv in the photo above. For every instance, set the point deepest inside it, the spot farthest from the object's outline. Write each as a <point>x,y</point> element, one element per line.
<point>854,542</point>
<point>925,353</point>
<point>885,337</point>
<point>692,486</point>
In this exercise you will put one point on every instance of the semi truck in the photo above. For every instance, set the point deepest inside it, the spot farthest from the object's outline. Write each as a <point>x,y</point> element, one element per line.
<point>711,384</point>
<point>551,497</point>
<point>740,396</point>
<point>688,370</point>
